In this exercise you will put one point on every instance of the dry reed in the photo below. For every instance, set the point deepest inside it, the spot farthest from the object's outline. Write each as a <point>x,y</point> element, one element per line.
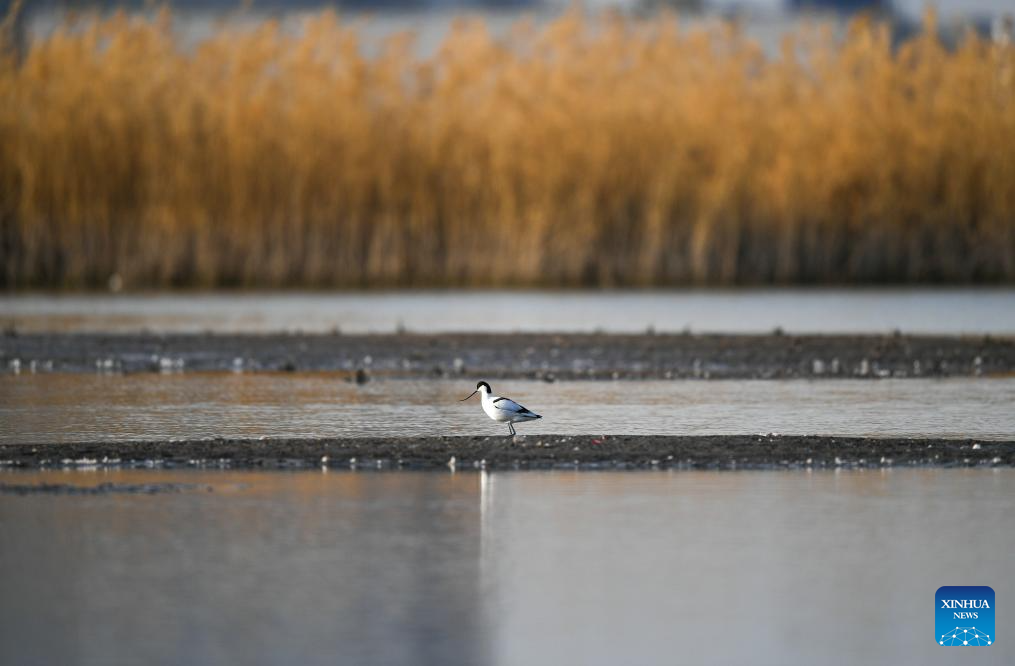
<point>586,152</point>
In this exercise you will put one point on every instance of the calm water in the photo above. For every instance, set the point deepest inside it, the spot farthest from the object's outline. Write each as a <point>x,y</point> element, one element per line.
<point>504,568</point>
<point>79,407</point>
<point>714,310</point>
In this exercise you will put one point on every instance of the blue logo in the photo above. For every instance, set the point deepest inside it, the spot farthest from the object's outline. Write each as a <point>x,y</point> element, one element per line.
<point>964,616</point>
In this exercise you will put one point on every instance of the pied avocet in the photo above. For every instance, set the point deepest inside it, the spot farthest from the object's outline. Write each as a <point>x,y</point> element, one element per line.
<point>501,409</point>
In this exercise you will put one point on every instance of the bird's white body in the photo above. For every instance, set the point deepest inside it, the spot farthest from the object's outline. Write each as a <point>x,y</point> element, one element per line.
<point>503,410</point>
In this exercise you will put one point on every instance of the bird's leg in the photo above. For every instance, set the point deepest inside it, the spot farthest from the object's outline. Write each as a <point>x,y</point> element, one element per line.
<point>512,427</point>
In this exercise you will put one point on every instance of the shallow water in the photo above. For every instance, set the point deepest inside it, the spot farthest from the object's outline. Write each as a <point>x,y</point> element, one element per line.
<point>501,568</point>
<point>94,407</point>
<point>942,311</point>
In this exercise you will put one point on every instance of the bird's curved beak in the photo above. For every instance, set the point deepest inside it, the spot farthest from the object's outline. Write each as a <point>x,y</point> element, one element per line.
<point>469,396</point>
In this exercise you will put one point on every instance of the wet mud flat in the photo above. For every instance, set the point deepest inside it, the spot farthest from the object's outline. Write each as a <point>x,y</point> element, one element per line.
<point>520,452</point>
<point>516,355</point>
<point>23,489</point>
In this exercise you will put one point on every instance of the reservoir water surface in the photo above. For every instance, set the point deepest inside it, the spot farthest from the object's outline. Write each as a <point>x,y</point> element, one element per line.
<point>329,567</point>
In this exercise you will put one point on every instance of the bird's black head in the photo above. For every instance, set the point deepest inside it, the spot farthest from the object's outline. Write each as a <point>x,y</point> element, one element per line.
<point>479,387</point>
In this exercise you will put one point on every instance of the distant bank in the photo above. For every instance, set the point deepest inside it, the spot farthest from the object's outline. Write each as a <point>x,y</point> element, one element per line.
<point>548,357</point>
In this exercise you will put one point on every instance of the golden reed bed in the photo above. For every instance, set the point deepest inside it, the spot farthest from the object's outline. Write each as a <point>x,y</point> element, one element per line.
<point>585,152</point>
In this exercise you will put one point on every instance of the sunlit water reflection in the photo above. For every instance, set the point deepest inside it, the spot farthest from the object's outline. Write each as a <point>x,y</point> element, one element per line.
<point>78,407</point>
<point>502,568</point>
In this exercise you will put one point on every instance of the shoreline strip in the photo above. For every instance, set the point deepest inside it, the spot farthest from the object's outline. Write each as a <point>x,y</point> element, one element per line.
<point>521,452</point>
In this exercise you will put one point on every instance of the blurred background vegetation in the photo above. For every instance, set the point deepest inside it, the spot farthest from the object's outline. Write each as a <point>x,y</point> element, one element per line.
<point>570,148</point>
